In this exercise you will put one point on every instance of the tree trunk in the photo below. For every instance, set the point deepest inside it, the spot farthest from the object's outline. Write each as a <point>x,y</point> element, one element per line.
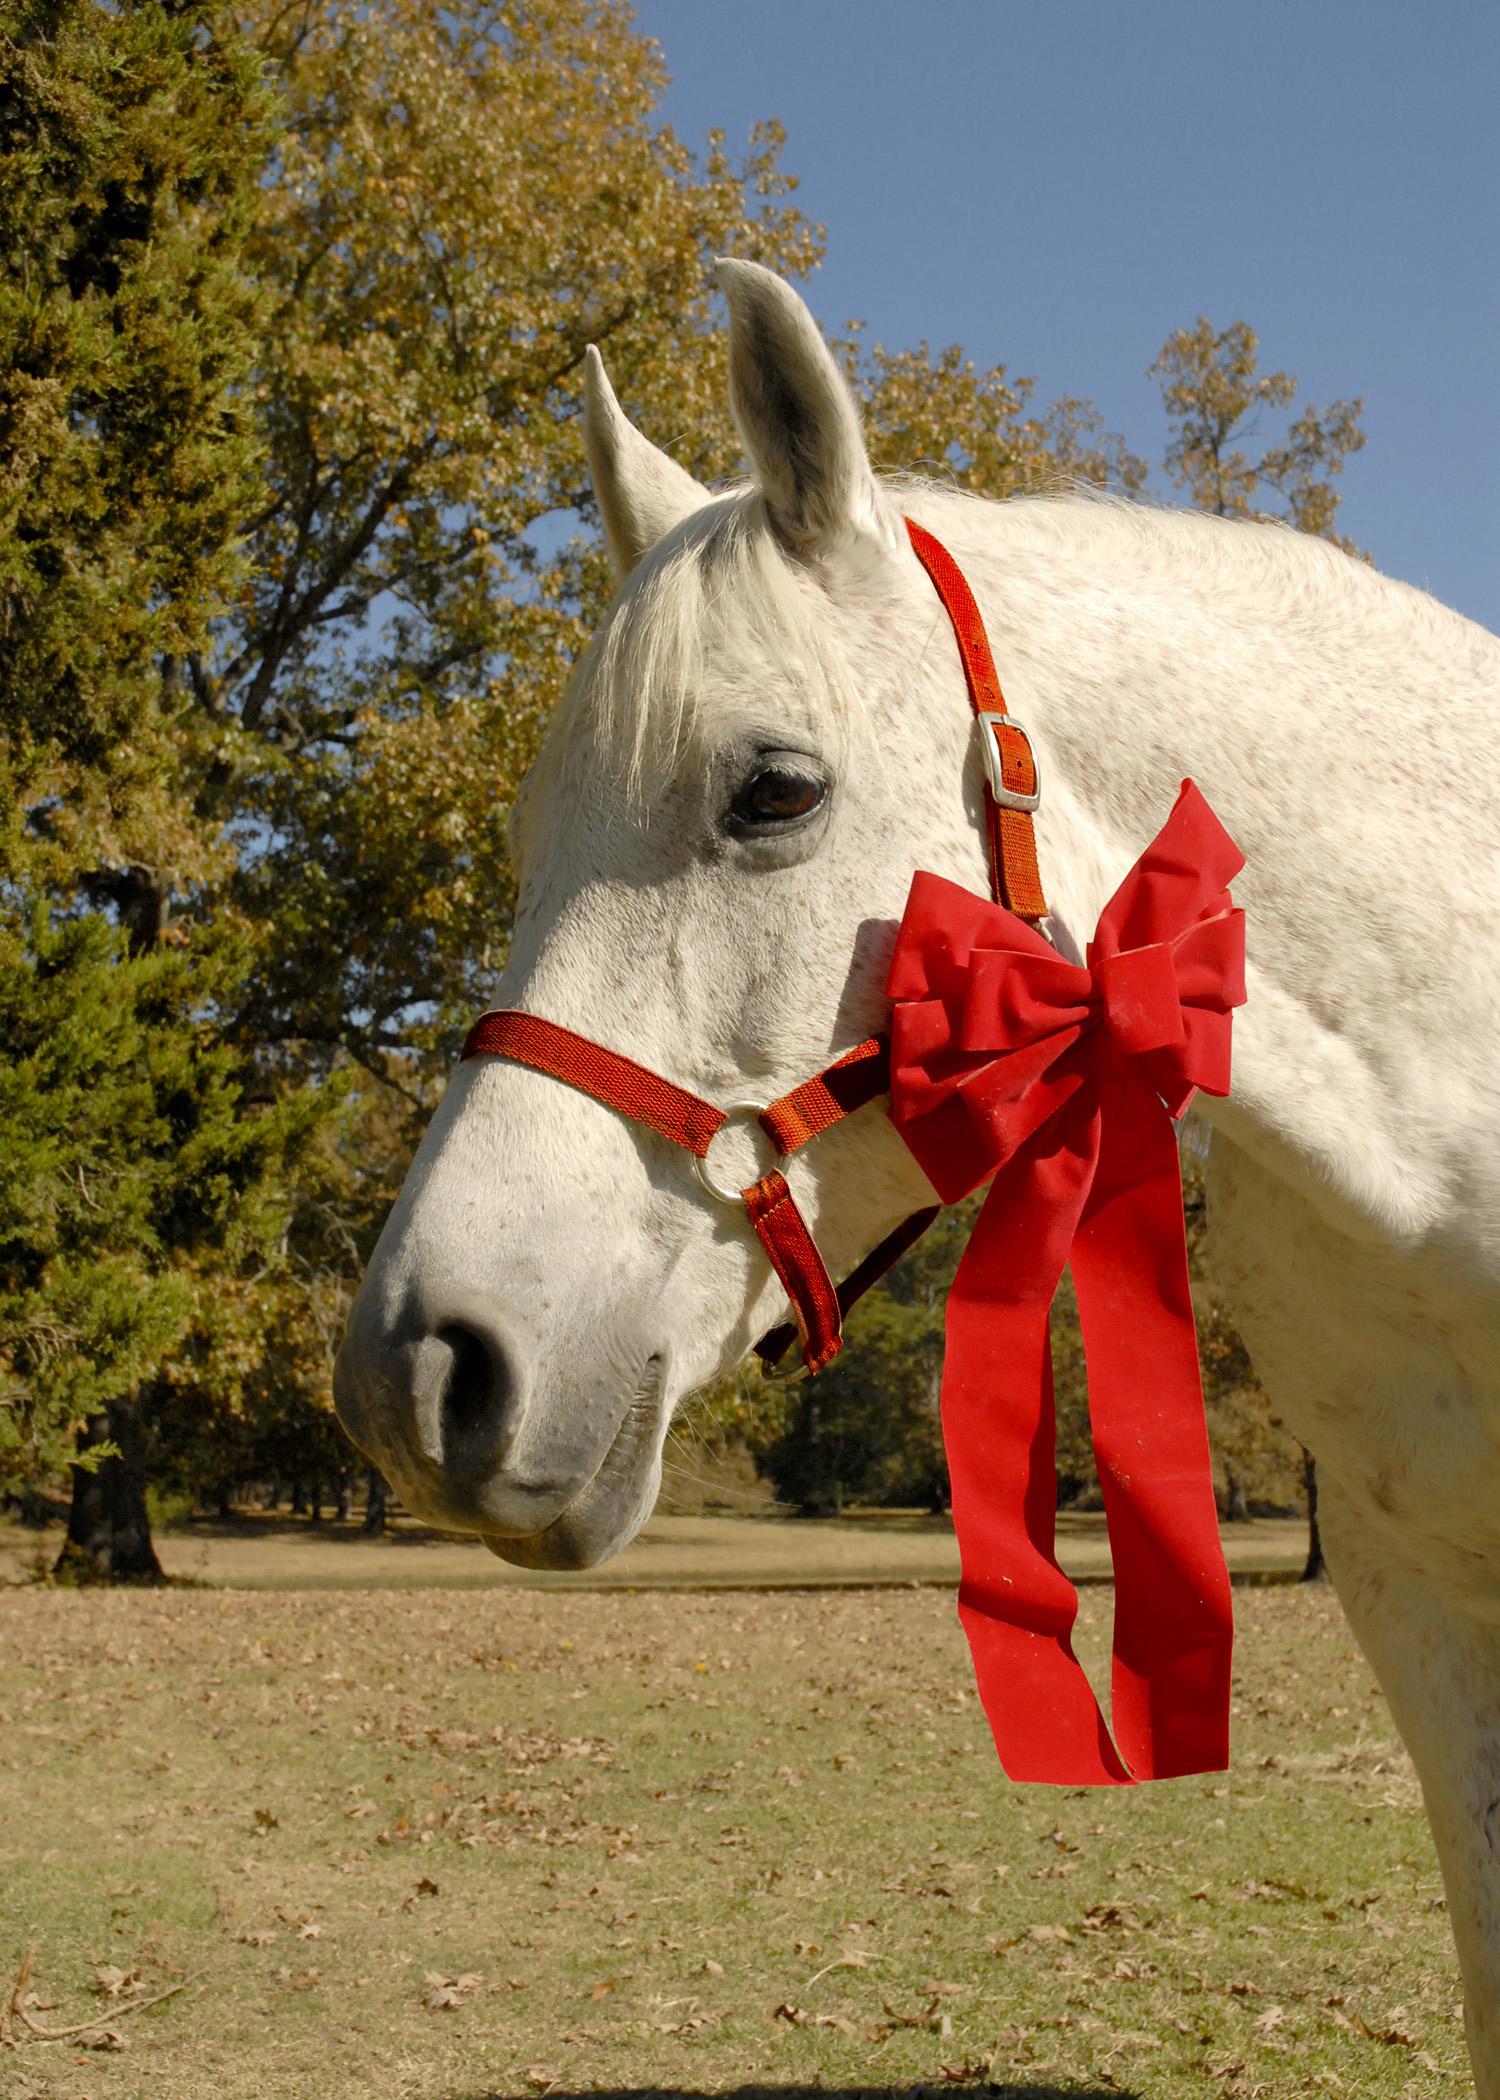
<point>1236,1508</point>
<point>1314,1566</point>
<point>317,1501</point>
<point>341,1499</point>
<point>109,1532</point>
<point>224,1500</point>
<point>299,1499</point>
<point>373,1526</point>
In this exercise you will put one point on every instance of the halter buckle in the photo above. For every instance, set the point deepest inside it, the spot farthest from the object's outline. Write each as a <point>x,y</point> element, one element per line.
<point>989,721</point>
<point>720,1190</point>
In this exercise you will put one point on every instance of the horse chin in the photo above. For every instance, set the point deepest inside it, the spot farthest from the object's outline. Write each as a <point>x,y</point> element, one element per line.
<point>606,1514</point>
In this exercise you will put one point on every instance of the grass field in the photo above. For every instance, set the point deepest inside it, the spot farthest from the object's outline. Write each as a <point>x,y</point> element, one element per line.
<point>673,1552</point>
<point>463,1843</point>
<point>255,1551</point>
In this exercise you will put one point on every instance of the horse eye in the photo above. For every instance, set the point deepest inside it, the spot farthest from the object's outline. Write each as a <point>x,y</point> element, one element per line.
<point>776,795</point>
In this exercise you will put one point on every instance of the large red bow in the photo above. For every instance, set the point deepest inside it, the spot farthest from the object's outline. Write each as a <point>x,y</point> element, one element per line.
<point>1062,1082</point>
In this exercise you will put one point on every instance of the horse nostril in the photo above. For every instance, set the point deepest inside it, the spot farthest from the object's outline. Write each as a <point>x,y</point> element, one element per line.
<point>477,1395</point>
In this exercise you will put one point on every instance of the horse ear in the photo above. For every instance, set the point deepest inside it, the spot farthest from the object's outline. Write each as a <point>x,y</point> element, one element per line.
<point>799,421</point>
<point>641,492</point>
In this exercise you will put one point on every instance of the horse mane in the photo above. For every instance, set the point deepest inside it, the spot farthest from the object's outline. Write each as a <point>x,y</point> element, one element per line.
<point>721,584</point>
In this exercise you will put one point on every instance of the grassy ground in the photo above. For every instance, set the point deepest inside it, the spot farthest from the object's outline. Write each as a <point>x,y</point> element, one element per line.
<point>255,1551</point>
<point>438,1845</point>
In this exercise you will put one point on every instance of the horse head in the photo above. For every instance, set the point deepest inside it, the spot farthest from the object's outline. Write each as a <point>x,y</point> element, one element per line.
<point>764,739</point>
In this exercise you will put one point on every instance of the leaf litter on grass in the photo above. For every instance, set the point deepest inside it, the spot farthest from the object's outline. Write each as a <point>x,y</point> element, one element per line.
<point>588,1801</point>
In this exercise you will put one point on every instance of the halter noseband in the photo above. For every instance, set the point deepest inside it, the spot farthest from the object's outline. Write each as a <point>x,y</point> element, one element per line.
<point>860,1076</point>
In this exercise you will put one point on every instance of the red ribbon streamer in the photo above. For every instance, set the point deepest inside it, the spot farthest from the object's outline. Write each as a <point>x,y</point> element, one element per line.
<point>1062,1083</point>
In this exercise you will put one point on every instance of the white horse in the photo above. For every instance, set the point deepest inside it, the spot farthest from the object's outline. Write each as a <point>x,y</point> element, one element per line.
<point>767,737</point>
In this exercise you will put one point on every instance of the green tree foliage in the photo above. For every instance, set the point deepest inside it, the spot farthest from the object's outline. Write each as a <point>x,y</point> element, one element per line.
<point>867,1429</point>
<point>297,476</point>
<point>936,413</point>
<point>141,1174</point>
<point>152,1157</point>
<point>1256,1458</point>
<point>130,138</point>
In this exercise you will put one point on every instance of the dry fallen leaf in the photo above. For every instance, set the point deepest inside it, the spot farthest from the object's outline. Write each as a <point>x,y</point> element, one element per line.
<point>111,1982</point>
<point>444,1993</point>
<point>106,2038</point>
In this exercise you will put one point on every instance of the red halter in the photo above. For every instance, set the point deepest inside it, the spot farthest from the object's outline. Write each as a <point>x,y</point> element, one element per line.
<point>861,1075</point>
<point>1057,1083</point>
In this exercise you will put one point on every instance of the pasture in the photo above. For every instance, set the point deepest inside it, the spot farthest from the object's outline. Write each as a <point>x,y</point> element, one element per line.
<point>455,1843</point>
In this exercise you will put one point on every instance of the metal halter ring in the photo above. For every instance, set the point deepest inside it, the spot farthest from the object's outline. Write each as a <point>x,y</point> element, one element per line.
<point>718,1189</point>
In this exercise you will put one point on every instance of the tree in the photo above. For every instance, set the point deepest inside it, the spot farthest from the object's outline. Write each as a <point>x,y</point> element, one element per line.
<point>305,744</point>
<point>138,1173</point>
<point>869,1428</point>
<point>461,200</point>
<point>1256,1459</point>
<point>1313,1568</point>
<point>939,414</point>
<point>1214,392</point>
<point>150,1160</point>
<point>131,139</point>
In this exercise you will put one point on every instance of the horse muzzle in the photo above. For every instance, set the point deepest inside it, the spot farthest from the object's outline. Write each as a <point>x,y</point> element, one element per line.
<point>454,1416</point>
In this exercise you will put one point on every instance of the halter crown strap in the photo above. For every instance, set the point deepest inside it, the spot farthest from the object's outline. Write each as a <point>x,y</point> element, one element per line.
<point>1011,790</point>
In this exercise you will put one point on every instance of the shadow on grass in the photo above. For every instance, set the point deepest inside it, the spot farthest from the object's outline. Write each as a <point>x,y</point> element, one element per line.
<point>278,1529</point>
<point>1001,2089</point>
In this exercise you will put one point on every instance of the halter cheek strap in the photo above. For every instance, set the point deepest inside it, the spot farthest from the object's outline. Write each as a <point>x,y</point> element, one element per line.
<point>861,1075</point>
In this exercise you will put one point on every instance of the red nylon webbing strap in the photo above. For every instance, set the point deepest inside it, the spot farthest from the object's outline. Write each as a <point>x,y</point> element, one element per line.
<point>860,1075</point>
<point>795,1258</point>
<point>619,1082</point>
<point>1015,877</point>
<point>772,1347</point>
<point>687,1120</point>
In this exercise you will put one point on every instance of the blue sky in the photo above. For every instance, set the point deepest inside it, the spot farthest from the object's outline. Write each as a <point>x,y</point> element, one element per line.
<point>1056,186</point>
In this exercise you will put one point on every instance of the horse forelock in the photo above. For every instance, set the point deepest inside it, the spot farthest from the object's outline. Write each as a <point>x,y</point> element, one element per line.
<point>717,629</point>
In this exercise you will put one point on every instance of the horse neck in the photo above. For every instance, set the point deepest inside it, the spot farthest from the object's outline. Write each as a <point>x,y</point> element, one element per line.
<point>1142,647</point>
